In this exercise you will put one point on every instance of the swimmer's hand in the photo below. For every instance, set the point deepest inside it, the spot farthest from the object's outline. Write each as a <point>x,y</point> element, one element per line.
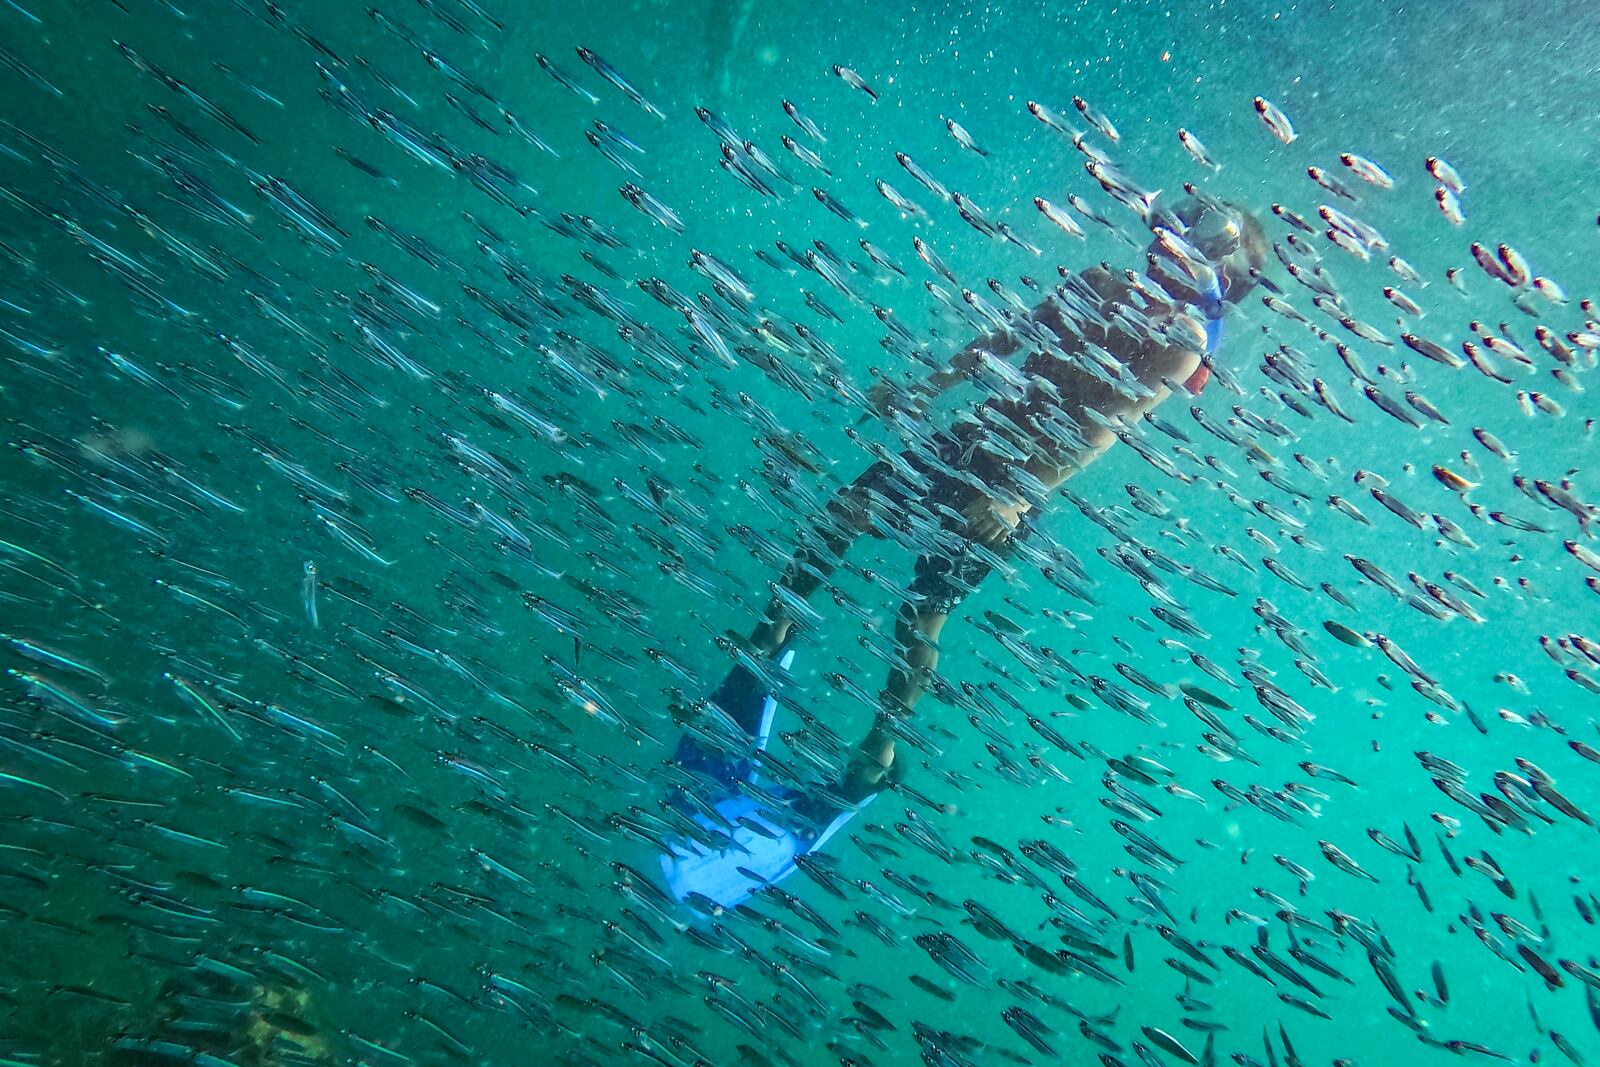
<point>885,395</point>
<point>992,521</point>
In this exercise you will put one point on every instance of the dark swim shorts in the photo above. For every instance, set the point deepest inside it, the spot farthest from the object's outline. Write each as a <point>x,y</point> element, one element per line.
<point>943,579</point>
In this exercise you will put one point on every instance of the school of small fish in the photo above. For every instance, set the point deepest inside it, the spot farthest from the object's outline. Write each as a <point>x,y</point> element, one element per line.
<point>365,557</point>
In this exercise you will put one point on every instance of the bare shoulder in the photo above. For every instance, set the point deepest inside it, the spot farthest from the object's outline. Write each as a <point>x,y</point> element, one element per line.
<point>1104,282</point>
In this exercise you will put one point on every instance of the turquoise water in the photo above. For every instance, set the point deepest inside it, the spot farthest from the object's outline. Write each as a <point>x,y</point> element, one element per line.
<point>386,831</point>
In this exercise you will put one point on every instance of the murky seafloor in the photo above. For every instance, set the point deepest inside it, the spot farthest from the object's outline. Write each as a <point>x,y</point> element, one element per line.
<point>409,409</point>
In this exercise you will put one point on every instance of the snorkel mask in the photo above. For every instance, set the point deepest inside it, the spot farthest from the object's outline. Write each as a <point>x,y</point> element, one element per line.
<point>1195,254</point>
<point>1197,259</point>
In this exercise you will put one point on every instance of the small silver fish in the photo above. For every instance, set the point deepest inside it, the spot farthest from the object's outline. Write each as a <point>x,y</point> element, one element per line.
<point>1095,118</point>
<point>308,591</point>
<point>963,138</point>
<point>1197,150</point>
<point>854,80</point>
<point>807,127</point>
<point>1275,120</point>
<point>1443,173</point>
<point>1366,170</point>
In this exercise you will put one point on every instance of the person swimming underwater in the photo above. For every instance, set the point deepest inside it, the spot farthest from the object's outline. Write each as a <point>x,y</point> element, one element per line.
<point>1102,350</point>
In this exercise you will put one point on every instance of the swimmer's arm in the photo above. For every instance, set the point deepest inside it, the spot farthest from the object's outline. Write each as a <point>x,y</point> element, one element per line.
<point>966,362</point>
<point>887,394</point>
<point>1048,313</point>
<point>1051,466</point>
<point>1000,343</point>
<point>1052,470</point>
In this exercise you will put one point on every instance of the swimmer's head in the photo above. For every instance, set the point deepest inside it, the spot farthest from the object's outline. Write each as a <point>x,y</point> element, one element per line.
<point>1205,251</point>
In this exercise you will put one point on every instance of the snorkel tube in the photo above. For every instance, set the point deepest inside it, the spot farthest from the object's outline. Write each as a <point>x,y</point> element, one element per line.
<point>1211,304</point>
<point>1193,240</point>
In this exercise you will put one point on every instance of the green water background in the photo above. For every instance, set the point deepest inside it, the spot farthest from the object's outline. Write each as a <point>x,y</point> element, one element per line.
<point>1500,90</point>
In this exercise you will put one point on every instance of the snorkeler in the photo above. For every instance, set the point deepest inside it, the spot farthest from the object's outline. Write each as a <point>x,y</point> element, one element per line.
<point>1103,349</point>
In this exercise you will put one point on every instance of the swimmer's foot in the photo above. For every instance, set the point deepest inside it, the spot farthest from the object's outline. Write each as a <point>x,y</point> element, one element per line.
<point>766,840</point>
<point>863,779</point>
<point>748,841</point>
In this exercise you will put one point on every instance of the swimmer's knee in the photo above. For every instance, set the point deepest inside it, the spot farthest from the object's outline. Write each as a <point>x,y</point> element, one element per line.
<point>851,509</point>
<point>920,623</point>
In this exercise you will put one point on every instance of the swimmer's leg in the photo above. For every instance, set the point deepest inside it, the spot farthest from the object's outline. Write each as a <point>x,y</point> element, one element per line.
<point>847,516</point>
<point>942,582</point>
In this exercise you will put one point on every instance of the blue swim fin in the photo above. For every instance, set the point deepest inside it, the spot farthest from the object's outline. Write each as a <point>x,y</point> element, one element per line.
<point>744,697</point>
<point>766,836</point>
<point>766,839</point>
